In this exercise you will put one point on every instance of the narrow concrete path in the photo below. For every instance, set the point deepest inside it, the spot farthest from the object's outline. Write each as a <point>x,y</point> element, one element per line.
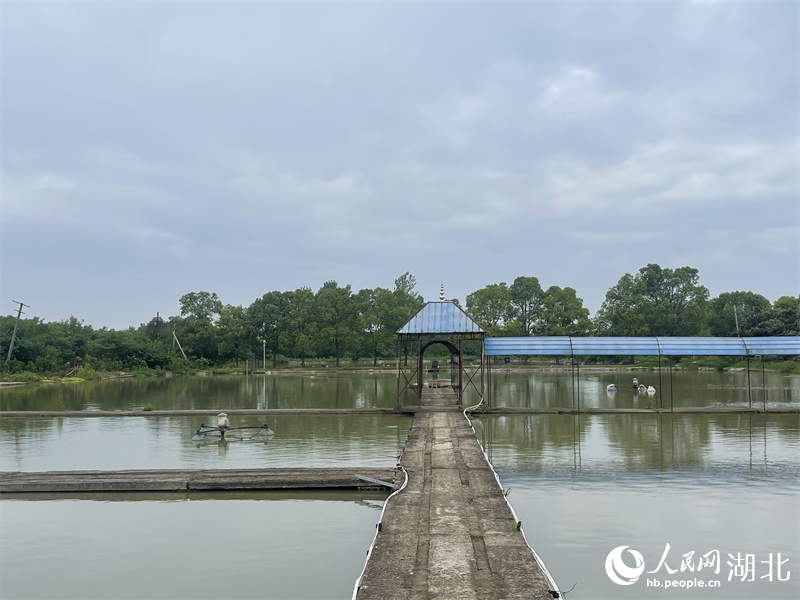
<point>182,480</point>
<point>450,532</point>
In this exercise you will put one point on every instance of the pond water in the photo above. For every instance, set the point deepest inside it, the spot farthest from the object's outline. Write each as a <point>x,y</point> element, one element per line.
<point>582,485</point>
<point>257,545</point>
<point>546,389</point>
<point>61,444</point>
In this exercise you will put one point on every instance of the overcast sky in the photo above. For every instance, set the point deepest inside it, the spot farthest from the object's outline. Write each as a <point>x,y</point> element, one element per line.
<point>154,149</point>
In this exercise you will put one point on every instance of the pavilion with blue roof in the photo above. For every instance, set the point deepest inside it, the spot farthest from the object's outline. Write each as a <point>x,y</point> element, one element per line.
<point>444,323</point>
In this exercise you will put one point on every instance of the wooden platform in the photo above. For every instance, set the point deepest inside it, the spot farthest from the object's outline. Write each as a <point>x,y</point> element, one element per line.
<point>182,480</point>
<point>450,532</point>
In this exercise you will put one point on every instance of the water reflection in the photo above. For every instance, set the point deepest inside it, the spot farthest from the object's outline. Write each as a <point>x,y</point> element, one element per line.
<point>241,545</point>
<point>38,444</point>
<point>584,484</point>
<point>541,389</point>
<point>535,389</point>
<point>322,390</point>
<point>595,445</point>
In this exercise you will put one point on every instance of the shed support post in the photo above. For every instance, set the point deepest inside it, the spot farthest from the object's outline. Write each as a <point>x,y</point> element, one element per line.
<point>749,392</point>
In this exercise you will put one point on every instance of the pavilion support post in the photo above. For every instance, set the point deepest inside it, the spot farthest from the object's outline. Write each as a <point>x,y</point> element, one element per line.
<point>419,372</point>
<point>483,361</point>
<point>399,349</point>
<point>461,372</point>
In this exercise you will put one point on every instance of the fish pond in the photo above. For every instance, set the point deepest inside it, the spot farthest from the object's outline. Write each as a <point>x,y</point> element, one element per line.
<point>662,485</point>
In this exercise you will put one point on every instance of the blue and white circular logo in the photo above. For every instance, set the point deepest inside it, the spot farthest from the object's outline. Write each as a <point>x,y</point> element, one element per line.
<point>618,571</point>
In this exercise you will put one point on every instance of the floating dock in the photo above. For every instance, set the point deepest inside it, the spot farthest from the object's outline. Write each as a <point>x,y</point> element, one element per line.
<point>182,480</point>
<point>450,532</point>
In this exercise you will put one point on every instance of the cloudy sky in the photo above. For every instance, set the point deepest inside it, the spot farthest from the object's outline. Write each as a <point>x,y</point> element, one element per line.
<point>152,149</point>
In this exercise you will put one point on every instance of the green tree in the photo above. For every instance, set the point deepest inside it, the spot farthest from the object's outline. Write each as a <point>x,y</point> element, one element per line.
<point>378,321</point>
<point>655,301</point>
<point>407,300</point>
<point>337,319</point>
<point>405,303</point>
<point>491,307</point>
<point>199,311</point>
<point>234,339</point>
<point>527,300</point>
<point>722,320</point>
<point>268,318</point>
<point>563,312</point>
<point>302,321</point>
<point>782,318</point>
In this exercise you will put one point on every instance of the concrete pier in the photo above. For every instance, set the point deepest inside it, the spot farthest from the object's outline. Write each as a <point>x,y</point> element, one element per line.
<point>450,533</point>
<point>182,480</point>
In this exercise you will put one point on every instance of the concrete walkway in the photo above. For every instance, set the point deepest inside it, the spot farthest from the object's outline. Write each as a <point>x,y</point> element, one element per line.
<point>182,480</point>
<point>450,532</point>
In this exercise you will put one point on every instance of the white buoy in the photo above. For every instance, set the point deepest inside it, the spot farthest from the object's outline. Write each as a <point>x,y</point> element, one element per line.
<point>222,421</point>
<point>651,390</point>
<point>611,387</point>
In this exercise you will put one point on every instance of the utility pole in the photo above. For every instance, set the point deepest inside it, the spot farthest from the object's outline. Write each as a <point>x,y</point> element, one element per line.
<point>174,340</point>
<point>14,335</point>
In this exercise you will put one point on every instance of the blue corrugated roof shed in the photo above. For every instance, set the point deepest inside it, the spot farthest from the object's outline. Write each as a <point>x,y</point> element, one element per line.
<point>614,346</point>
<point>782,344</point>
<point>440,317</point>
<point>648,346</point>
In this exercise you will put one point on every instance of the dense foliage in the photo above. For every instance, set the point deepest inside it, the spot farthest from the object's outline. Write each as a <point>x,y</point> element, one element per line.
<point>336,322</point>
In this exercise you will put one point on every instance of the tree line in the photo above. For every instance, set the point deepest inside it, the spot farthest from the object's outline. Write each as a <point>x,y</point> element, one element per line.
<point>336,322</point>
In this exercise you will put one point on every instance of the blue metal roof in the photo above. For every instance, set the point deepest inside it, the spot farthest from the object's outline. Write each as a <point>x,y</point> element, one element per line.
<point>648,346</point>
<point>783,344</point>
<point>545,345</point>
<point>702,346</point>
<point>440,317</point>
<point>614,346</point>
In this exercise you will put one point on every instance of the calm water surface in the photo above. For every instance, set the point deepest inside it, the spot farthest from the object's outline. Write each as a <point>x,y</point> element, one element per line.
<point>581,485</point>
<point>166,443</point>
<point>378,390</point>
<point>254,545</point>
<point>585,485</point>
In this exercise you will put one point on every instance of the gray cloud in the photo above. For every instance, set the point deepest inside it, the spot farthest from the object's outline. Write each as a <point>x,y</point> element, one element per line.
<point>151,150</point>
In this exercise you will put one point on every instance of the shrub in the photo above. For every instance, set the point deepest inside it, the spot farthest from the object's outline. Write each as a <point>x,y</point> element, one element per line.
<point>87,373</point>
<point>25,377</point>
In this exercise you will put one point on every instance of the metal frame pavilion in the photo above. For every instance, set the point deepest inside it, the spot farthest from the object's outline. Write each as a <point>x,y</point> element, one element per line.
<point>644,346</point>
<point>443,323</point>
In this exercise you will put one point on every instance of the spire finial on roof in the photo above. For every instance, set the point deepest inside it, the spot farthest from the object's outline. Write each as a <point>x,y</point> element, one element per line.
<point>441,293</point>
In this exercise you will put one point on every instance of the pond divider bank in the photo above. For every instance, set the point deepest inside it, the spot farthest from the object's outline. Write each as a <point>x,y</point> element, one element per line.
<point>449,533</point>
<point>182,480</point>
<point>410,410</point>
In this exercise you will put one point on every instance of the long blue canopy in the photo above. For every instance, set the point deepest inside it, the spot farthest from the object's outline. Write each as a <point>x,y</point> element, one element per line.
<point>647,346</point>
